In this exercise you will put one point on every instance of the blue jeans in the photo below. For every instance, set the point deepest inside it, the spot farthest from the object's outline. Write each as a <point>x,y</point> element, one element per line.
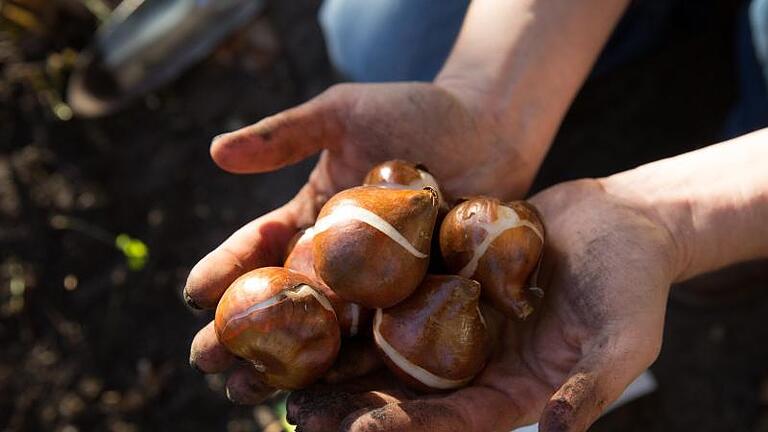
<point>409,40</point>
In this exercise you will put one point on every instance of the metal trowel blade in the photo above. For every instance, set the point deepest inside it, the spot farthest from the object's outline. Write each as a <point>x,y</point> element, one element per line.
<point>147,43</point>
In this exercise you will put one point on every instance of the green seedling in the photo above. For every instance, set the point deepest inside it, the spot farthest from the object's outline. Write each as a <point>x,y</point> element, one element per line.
<point>135,251</point>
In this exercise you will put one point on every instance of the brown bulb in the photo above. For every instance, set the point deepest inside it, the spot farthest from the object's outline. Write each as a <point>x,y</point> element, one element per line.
<point>499,245</point>
<point>279,321</point>
<point>352,317</point>
<point>371,244</point>
<point>437,338</point>
<point>401,174</point>
<point>406,175</point>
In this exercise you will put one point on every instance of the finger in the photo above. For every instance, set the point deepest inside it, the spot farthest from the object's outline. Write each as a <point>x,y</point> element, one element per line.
<point>323,409</point>
<point>468,410</point>
<point>593,384</point>
<point>284,138</point>
<point>356,358</point>
<point>245,388</point>
<point>206,353</point>
<point>260,243</point>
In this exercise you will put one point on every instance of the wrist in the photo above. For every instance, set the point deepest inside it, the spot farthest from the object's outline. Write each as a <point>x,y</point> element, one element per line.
<point>672,218</point>
<point>505,123</point>
<point>713,202</point>
<point>481,102</point>
<point>516,112</point>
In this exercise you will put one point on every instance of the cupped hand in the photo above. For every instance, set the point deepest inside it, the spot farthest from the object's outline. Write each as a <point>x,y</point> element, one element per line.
<point>354,126</point>
<point>607,272</point>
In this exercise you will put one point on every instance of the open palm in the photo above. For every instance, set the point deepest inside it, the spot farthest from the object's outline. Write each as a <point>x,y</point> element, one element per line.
<point>607,266</point>
<point>607,277</point>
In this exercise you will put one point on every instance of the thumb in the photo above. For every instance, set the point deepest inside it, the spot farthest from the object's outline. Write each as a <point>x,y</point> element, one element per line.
<point>284,138</point>
<point>593,384</point>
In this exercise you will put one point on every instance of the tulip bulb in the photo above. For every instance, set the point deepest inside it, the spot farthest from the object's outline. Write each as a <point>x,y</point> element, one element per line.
<point>437,338</point>
<point>401,174</point>
<point>499,245</point>
<point>372,244</point>
<point>278,320</point>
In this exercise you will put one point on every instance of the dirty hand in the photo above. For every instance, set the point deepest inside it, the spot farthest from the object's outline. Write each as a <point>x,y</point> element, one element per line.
<point>607,274</point>
<point>354,126</point>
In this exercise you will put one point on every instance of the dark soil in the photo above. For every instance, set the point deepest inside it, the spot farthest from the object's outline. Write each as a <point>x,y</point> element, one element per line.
<point>89,344</point>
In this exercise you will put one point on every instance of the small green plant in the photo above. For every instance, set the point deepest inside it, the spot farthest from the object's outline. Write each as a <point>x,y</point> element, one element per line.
<point>135,251</point>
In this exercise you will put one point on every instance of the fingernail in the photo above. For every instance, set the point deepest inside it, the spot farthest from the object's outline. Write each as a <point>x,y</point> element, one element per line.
<point>230,398</point>
<point>558,415</point>
<point>191,303</point>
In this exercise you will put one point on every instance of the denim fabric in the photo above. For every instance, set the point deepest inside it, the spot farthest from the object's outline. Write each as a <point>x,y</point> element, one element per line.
<point>751,110</point>
<point>758,25</point>
<point>390,40</point>
<point>409,40</point>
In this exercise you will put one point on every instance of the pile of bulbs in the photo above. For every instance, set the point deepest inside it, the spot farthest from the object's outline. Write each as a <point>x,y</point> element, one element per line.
<point>362,270</point>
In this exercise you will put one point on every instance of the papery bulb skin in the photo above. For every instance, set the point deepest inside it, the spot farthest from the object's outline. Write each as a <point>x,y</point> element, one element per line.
<point>279,321</point>
<point>499,245</point>
<point>372,244</point>
<point>436,339</point>
<point>353,319</point>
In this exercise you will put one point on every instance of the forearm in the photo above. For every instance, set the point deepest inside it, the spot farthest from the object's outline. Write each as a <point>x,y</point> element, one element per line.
<point>713,201</point>
<point>522,62</point>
